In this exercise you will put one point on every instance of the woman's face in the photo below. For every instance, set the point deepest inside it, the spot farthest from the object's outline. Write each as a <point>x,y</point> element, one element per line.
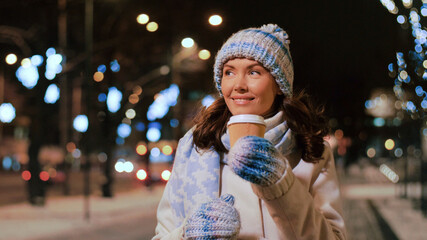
<point>248,88</point>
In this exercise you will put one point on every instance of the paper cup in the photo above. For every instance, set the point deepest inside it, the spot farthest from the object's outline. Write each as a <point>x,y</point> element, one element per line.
<point>245,125</point>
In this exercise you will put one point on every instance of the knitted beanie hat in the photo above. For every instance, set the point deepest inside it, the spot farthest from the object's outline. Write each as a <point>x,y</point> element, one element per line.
<point>269,45</point>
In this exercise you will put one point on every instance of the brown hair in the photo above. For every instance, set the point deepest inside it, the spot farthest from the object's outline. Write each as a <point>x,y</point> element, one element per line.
<point>306,121</point>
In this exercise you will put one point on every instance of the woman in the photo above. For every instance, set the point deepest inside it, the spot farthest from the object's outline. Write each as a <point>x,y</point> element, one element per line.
<point>282,186</point>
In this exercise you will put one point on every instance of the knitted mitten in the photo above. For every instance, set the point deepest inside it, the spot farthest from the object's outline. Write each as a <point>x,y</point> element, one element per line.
<point>217,219</point>
<point>256,160</point>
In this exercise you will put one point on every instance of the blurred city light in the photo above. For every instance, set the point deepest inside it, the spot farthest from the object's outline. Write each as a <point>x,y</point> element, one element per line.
<point>102,97</point>
<point>142,18</point>
<point>141,174</point>
<point>128,167</point>
<point>102,157</point>
<point>52,94</point>
<point>130,113</point>
<point>26,175</point>
<point>141,149</point>
<point>155,152</point>
<point>389,173</point>
<point>11,59</point>
<point>164,70</point>
<point>114,98</point>
<point>77,153</point>
<point>371,152</point>
<point>187,42</point>
<point>120,141</point>
<point>102,68</point>
<point>174,123</point>
<point>137,90</point>
<point>7,163</point>
<point>379,122</point>
<point>204,54</point>
<point>424,10</point>
<point>98,76</point>
<point>124,130</point>
<point>164,100</point>
<point>401,19</point>
<point>81,123</point>
<point>215,20</point>
<point>44,176</point>
<point>152,26</point>
<point>389,144</point>
<point>26,62</point>
<point>36,60</point>
<point>407,3</point>
<point>28,76</point>
<point>53,64</point>
<point>390,5</point>
<point>166,175</point>
<point>153,134</point>
<point>133,98</point>
<point>167,150</point>
<point>7,112</point>
<point>208,100</point>
<point>114,66</point>
<point>398,152</point>
<point>119,166</point>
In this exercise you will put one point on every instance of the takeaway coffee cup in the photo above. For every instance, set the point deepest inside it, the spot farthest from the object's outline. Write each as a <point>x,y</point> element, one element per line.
<point>245,125</point>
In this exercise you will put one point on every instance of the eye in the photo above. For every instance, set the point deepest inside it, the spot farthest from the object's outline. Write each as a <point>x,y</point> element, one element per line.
<point>254,72</point>
<point>228,73</point>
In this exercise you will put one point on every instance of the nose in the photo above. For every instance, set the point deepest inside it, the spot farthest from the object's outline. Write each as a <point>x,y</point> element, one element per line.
<point>240,84</point>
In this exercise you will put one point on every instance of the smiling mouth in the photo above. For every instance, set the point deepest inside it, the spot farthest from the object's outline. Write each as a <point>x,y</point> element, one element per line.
<point>242,100</point>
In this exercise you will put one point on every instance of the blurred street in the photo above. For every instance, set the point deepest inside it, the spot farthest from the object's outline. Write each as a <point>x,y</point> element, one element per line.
<point>372,208</point>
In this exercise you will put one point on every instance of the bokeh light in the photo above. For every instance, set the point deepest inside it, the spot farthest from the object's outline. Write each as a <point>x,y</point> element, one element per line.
<point>215,20</point>
<point>130,113</point>
<point>389,144</point>
<point>152,26</point>
<point>81,123</point>
<point>167,150</point>
<point>11,59</point>
<point>114,97</point>
<point>124,130</point>
<point>371,152</point>
<point>142,18</point>
<point>141,174</point>
<point>141,149</point>
<point>52,94</point>
<point>204,54</point>
<point>98,76</point>
<point>187,42</point>
<point>166,175</point>
<point>7,112</point>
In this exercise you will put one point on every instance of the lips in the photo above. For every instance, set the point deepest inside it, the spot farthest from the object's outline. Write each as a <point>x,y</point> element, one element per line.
<point>242,100</point>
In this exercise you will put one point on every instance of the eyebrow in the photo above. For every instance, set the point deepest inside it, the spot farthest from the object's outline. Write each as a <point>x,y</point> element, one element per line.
<point>252,65</point>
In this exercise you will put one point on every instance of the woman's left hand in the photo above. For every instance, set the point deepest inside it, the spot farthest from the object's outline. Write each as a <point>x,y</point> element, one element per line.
<point>256,160</point>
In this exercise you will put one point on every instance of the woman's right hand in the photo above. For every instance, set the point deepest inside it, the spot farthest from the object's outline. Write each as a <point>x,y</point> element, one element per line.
<point>217,219</point>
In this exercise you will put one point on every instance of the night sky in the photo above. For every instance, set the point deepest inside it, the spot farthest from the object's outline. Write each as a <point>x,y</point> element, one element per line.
<point>340,49</point>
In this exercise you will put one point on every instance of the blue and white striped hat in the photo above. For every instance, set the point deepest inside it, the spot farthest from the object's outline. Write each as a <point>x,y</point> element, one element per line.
<point>269,45</point>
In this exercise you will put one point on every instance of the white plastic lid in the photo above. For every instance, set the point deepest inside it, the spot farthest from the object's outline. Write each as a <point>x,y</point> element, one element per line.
<point>246,118</point>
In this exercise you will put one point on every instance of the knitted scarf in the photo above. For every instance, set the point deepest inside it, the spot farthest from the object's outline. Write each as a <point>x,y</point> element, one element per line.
<point>195,176</point>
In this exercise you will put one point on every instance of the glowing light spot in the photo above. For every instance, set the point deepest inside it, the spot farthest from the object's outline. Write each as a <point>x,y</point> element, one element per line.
<point>102,97</point>
<point>187,42</point>
<point>114,98</point>
<point>389,173</point>
<point>137,90</point>
<point>26,62</point>
<point>7,112</point>
<point>141,149</point>
<point>52,94</point>
<point>114,66</point>
<point>167,150</point>
<point>174,123</point>
<point>119,166</point>
<point>28,76</point>
<point>204,54</point>
<point>166,175</point>
<point>77,153</point>
<point>215,20</point>
<point>371,152</point>
<point>81,123</point>
<point>208,100</point>
<point>124,130</point>
<point>130,113</point>
<point>50,51</point>
<point>163,101</point>
<point>70,147</point>
<point>11,59</point>
<point>155,152</point>
<point>142,18</point>
<point>390,67</point>
<point>379,122</point>
<point>141,174</point>
<point>140,126</point>
<point>398,152</point>
<point>26,175</point>
<point>153,134</point>
<point>44,176</point>
<point>401,19</point>
<point>133,98</point>
<point>7,163</point>
<point>164,70</point>
<point>339,134</point>
<point>152,26</point>
<point>389,144</point>
<point>98,76</point>
<point>128,167</point>
<point>36,60</point>
<point>102,68</point>
<point>102,157</point>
